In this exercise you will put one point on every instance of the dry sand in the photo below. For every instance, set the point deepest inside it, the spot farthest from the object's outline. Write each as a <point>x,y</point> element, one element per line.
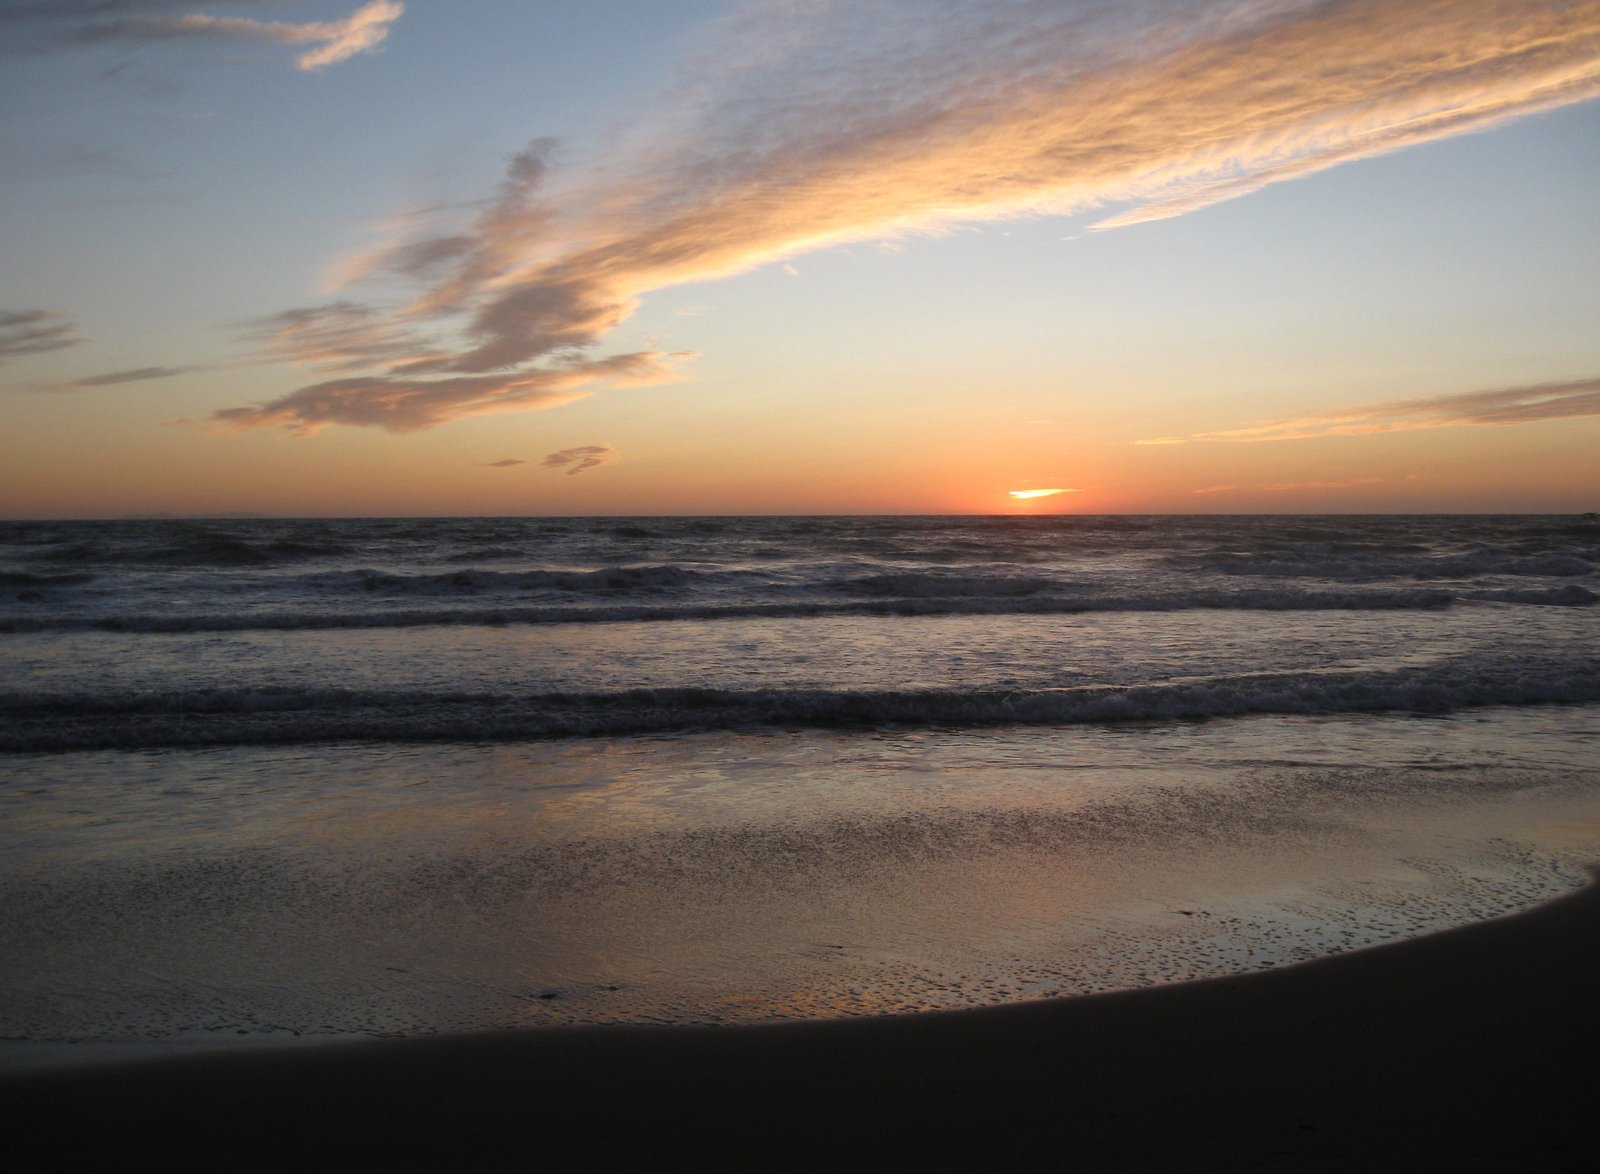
<point>1471,1049</point>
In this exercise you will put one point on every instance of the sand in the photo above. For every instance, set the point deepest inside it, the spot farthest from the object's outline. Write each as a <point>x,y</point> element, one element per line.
<point>1470,1049</point>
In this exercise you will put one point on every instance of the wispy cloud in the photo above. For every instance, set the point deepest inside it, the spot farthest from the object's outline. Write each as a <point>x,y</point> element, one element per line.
<point>505,464</point>
<point>31,332</point>
<point>81,22</point>
<point>401,405</point>
<point>343,336</point>
<point>1495,407</point>
<point>113,378</point>
<point>580,459</point>
<point>1298,486</point>
<point>800,126</point>
<point>1351,483</point>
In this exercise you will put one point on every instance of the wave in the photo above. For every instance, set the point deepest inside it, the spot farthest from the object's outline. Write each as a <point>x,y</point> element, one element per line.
<point>483,554</point>
<point>196,550</point>
<point>943,584</point>
<point>218,717</point>
<point>1570,595</point>
<point>28,580</point>
<point>898,606</point>
<point>603,581</point>
<point>1369,566</point>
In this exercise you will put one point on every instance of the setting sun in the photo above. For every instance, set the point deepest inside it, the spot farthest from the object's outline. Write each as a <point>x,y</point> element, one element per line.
<point>1026,494</point>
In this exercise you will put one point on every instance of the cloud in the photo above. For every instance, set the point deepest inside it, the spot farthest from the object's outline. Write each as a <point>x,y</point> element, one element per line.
<point>32,332</point>
<point>112,378</point>
<point>505,464</point>
<point>1286,486</point>
<point>349,337</point>
<point>1495,407</point>
<point>401,405</point>
<point>802,126</point>
<point>132,21</point>
<point>342,336</point>
<point>1292,486</point>
<point>580,459</point>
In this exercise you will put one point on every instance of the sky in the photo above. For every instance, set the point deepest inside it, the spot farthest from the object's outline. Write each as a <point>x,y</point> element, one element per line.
<point>506,257</point>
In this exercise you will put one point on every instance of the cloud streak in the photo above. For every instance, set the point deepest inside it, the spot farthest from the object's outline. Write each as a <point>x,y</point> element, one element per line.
<point>580,459</point>
<point>342,336</point>
<point>33,332</point>
<point>113,378</point>
<point>134,21</point>
<point>1298,486</point>
<point>1493,408</point>
<point>401,405</point>
<point>802,126</point>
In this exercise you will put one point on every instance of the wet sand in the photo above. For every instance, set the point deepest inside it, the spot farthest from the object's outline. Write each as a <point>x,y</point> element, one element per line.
<point>1470,1049</point>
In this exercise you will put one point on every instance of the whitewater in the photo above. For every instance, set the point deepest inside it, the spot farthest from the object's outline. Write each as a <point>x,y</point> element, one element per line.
<point>306,778</point>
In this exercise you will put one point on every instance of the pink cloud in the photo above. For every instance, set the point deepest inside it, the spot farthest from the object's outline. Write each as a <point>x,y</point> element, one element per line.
<point>798,127</point>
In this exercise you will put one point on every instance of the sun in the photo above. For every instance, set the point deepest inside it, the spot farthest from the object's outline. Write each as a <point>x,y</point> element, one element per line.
<point>1029,494</point>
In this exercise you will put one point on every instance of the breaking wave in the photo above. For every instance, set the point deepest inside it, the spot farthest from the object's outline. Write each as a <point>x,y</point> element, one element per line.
<point>984,601</point>
<point>53,721</point>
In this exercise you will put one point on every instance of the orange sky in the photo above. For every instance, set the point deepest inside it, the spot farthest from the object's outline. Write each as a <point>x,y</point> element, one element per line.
<point>886,257</point>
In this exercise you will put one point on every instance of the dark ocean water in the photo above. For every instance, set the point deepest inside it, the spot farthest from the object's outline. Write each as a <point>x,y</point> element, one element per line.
<point>130,634</point>
<point>276,778</point>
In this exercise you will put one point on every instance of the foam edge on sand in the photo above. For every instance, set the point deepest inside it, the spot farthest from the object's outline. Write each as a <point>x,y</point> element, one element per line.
<point>1474,1047</point>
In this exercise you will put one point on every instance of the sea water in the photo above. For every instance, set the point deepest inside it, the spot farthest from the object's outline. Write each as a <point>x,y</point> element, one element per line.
<point>275,778</point>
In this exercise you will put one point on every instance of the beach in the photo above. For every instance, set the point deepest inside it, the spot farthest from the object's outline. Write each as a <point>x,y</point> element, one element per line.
<point>897,842</point>
<point>1469,1049</point>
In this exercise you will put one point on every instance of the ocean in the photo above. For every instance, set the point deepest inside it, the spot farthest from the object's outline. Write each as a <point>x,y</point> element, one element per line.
<point>268,780</point>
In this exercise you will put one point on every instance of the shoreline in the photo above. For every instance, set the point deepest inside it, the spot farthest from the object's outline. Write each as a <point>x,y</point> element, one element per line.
<point>1471,1048</point>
